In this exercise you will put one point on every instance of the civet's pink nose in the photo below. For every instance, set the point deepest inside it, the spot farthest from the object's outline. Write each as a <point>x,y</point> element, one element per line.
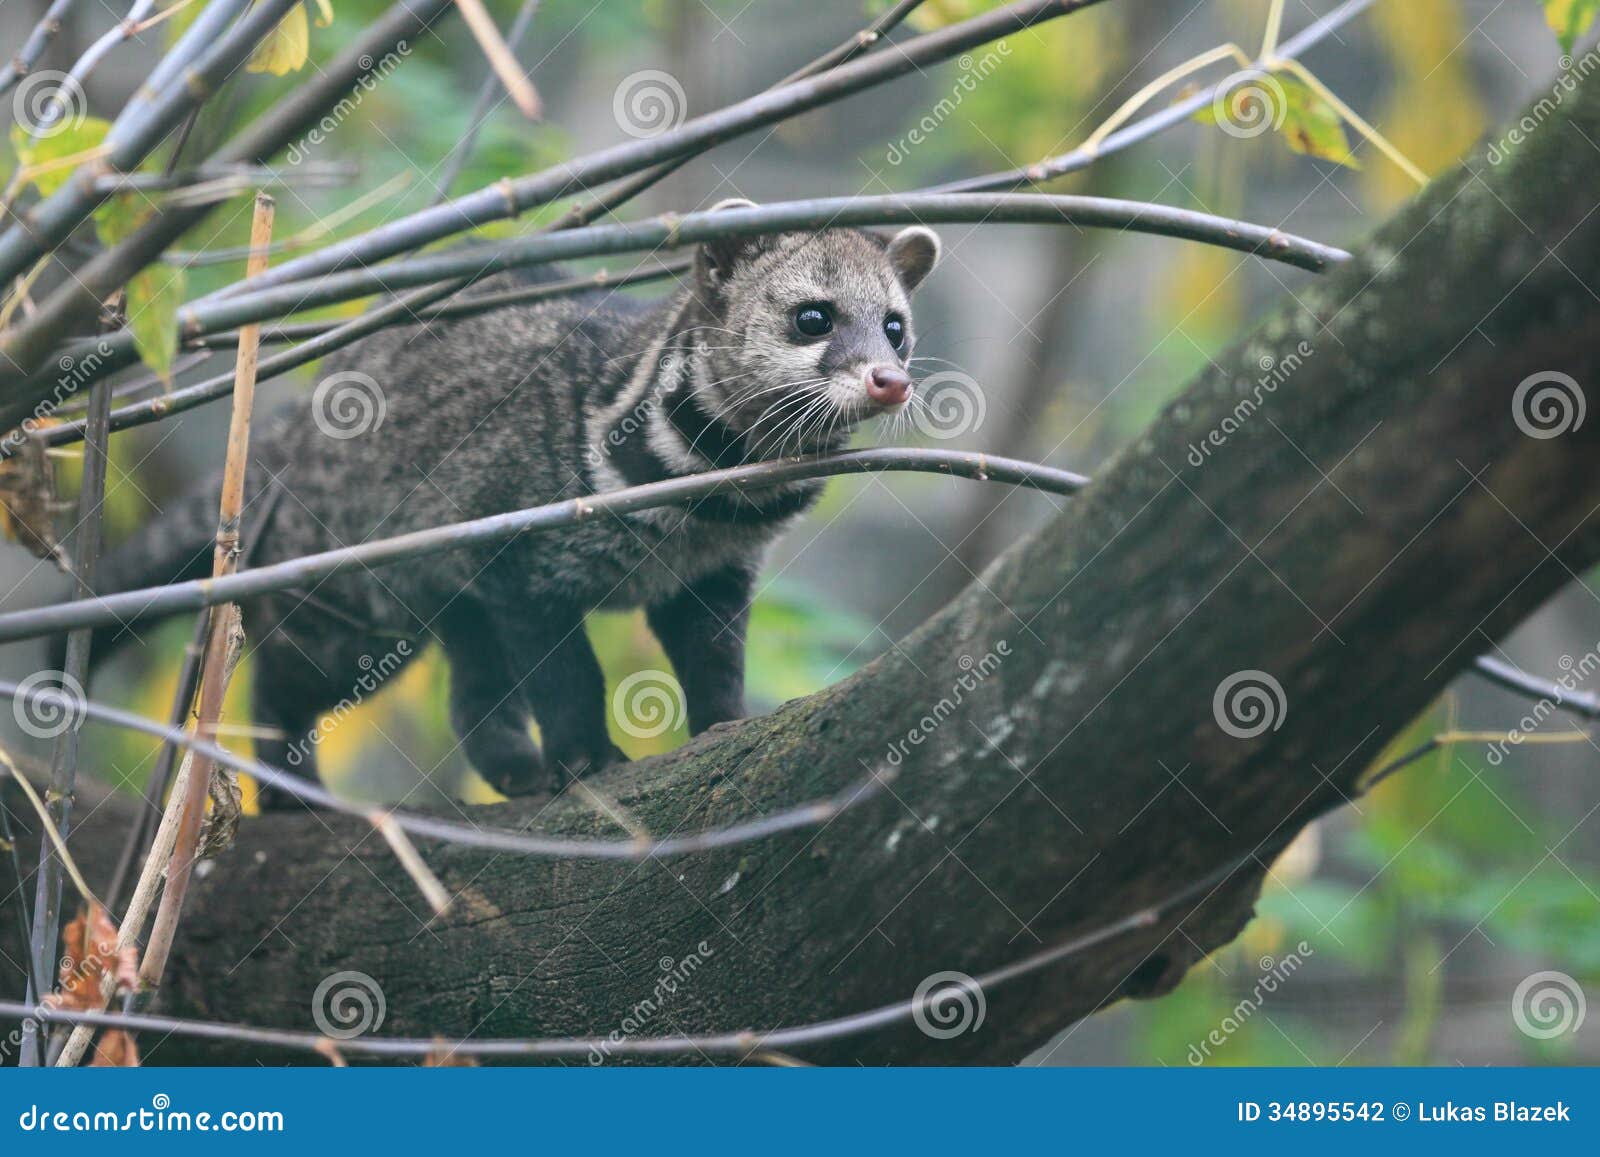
<point>887,385</point>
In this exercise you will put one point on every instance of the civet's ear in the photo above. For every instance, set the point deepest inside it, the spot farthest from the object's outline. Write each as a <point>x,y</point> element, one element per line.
<point>913,252</point>
<point>720,256</point>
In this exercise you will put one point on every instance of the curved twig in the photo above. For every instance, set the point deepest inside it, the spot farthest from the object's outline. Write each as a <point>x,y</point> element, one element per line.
<point>805,815</point>
<point>131,606</point>
<point>671,231</point>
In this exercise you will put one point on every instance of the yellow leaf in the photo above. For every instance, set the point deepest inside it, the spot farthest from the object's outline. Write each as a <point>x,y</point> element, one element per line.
<point>287,48</point>
<point>1570,19</point>
<point>1307,123</point>
<point>324,13</point>
<point>57,155</point>
<point>154,296</point>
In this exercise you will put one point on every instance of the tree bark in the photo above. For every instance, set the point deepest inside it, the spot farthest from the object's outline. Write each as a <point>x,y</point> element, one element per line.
<point>1359,538</point>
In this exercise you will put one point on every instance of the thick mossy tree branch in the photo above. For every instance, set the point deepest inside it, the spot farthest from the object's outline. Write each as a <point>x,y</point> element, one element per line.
<point>1353,532</point>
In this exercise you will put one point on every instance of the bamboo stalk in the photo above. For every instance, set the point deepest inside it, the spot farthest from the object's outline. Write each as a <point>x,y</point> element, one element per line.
<point>500,57</point>
<point>213,682</point>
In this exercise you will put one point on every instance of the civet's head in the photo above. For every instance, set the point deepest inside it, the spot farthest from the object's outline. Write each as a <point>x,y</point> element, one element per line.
<point>809,334</point>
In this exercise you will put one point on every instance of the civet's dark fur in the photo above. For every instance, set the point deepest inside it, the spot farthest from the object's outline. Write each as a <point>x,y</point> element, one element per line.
<point>531,405</point>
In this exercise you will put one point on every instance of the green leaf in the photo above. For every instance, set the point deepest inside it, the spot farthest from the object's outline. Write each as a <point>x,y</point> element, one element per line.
<point>154,296</point>
<point>75,139</point>
<point>1308,124</point>
<point>1570,19</point>
<point>120,216</point>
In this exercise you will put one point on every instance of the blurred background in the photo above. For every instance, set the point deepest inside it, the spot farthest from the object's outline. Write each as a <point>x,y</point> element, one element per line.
<point>1423,908</point>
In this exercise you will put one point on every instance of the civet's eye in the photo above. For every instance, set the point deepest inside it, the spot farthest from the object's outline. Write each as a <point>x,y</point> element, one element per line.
<point>813,319</point>
<point>894,328</point>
